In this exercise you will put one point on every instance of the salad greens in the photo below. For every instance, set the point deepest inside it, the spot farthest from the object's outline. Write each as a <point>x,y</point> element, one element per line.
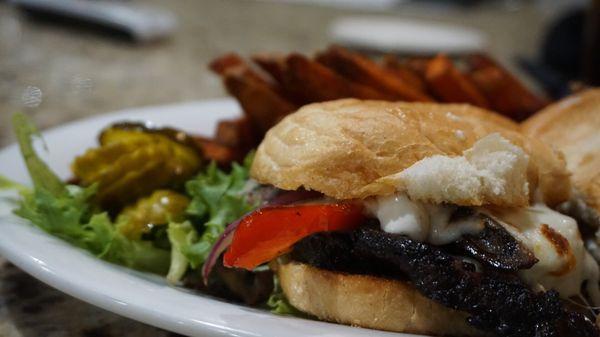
<point>217,198</point>
<point>7,184</point>
<point>68,212</point>
<point>278,303</point>
<point>42,176</point>
<point>65,211</point>
<point>182,236</point>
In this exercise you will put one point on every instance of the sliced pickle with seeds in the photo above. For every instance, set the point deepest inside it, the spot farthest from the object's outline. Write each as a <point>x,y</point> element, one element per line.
<point>133,162</point>
<point>157,209</point>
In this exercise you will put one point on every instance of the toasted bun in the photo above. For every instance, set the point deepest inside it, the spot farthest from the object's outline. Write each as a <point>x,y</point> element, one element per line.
<point>355,149</point>
<point>572,125</point>
<point>368,302</point>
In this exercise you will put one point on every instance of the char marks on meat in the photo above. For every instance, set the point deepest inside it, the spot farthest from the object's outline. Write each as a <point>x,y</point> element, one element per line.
<point>495,247</point>
<point>497,301</point>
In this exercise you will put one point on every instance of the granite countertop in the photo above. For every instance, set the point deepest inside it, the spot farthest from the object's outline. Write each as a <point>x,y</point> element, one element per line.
<point>57,74</point>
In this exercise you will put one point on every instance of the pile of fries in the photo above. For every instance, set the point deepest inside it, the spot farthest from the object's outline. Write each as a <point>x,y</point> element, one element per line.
<point>270,86</point>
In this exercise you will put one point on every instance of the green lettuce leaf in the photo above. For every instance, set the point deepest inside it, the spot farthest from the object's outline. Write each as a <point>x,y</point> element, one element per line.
<point>217,199</point>
<point>65,211</point>
<point>181,236</point>
<point>278,303</point>
<point>40,173</point>
<point>7,184</point>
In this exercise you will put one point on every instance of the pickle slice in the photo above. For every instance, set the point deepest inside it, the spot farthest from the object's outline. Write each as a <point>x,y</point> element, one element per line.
<point>133,162</point>
<point>157,209</point>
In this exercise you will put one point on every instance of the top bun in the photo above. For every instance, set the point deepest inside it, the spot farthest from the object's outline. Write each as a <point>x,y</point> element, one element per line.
<point>350,149</point>
<point>572,125</point>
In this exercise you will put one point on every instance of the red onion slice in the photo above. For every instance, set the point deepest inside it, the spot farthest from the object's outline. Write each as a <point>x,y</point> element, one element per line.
<point>290,197</point>
<point>281,198</point>
<point>219,247</point>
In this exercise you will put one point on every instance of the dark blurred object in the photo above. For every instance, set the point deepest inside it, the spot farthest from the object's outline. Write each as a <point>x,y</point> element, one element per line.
<point>117,19</point>
<point>591,44</point>
<point>563,46</point>
<point>570,54</point>
<point>554,84</point>
<point>233,284</point>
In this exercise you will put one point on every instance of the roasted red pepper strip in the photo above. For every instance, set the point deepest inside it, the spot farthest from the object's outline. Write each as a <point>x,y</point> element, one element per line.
<point>269,232</point>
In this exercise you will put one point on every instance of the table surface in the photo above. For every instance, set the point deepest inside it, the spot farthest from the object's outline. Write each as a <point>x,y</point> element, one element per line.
<point>56,74</point>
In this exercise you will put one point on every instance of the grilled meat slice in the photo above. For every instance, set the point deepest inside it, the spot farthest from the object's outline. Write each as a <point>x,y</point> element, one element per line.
<point>495,247</point>
<point>335,251</point>
<point>497,301</point>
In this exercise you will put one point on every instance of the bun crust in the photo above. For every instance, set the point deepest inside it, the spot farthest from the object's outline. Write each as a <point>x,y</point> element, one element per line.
<point>368,302</point>
<point>353,149</point>
<point>572,125</point>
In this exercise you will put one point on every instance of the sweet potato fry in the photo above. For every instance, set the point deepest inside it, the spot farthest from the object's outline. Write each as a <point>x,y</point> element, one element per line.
<point>224,62</point>
<point>480,61</point>
<point>263,105</point>
<point>418,64</point>
<point>221,154</point>
<point>272,64</point>
<point>450,85</point>
<point>507,95</point>
<point>505,92</point>
<point>261,98</point>
<point>275,66</point>
<point>237,133</point>
<point>392,64</point>
<point>362,70</point>
<point>233,62</point>
<point>313,82</point>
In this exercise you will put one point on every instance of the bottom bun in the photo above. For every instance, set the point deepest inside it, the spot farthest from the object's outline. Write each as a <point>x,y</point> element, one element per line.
<point>368,302</point>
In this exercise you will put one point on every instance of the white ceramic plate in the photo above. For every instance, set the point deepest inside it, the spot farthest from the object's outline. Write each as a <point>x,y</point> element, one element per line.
<point>139,296</point>
<point>405,36</point>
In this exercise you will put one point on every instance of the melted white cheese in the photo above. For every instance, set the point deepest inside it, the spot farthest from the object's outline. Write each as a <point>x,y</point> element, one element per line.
<point>564,263</point>
<point>423,222</point>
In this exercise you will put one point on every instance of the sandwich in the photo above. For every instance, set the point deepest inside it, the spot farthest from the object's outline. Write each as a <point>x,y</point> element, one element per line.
<point>422,218</point>
<point>572,126</point>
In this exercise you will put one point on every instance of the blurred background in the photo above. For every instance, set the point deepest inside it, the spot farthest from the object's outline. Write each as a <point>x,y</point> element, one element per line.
<point>61,65</point>
<point>62,60</point>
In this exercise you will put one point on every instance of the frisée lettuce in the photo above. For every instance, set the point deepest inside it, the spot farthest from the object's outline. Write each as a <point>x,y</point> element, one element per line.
<point>65,211</point>
<point>218,198</point>
<point>68,212</point>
